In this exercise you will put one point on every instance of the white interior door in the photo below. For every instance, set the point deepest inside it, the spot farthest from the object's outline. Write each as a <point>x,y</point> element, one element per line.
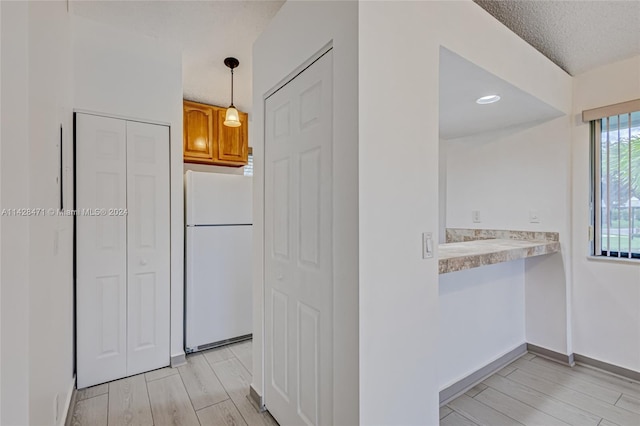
<point>298,248</point>
<point>101,289</point>
<point>122,287</point>
<point>148,289</point>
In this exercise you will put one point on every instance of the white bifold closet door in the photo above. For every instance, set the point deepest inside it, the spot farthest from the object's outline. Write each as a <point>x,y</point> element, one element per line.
<point>122,234</point>
<point>298,248</point>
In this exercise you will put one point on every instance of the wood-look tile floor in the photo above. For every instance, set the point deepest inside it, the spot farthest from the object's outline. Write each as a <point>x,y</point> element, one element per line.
<point>211,389</point>
<point>535,391</point>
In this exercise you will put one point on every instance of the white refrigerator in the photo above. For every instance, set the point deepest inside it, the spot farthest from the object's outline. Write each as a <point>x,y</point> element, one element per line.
<point>218,259</point>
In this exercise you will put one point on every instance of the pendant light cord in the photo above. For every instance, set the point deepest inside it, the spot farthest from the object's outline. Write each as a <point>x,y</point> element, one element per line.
<point>231,86</point>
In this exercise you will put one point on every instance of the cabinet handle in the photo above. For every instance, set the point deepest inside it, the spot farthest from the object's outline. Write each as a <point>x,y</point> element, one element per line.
<point>143,262</point>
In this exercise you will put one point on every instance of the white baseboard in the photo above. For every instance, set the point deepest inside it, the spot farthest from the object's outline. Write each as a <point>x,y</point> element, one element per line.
<point>69,404</point>
<point>256,399</point>
<point>178,360</point>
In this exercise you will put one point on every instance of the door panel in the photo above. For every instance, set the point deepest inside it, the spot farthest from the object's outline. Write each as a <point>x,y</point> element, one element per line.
<point>298,248</point>
<point>281,208</point>
<point>309,226</point>
<point>308,374</point>
<point>101,250</point>
<point>148,247</point>
<point>280,343</point>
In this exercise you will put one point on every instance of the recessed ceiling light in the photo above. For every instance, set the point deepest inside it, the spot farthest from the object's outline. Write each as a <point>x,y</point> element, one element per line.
<point>488,99</point>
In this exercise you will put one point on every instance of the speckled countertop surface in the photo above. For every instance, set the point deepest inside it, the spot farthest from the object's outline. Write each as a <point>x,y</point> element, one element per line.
<point>457,256</point>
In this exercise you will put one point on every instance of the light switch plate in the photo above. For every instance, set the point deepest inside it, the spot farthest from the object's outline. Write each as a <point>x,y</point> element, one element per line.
<point>475,216</point>
<point>427,245</point>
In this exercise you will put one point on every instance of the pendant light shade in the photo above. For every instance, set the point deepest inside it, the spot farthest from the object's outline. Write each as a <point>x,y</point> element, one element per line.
<point>232,118</point>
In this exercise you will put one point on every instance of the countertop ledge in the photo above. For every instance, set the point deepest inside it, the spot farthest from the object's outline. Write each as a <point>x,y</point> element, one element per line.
<point>457,256</point>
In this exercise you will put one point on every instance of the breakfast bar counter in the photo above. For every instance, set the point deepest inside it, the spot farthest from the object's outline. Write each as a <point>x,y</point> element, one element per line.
<point>472,248</point>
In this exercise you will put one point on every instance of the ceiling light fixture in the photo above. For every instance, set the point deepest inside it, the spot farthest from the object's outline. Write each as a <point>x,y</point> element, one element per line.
<point>232,118</point>
<point>488,99</point>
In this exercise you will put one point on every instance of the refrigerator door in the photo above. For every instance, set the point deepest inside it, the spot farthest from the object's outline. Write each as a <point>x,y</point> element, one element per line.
<point>218,290</point>
<point>218,199</point>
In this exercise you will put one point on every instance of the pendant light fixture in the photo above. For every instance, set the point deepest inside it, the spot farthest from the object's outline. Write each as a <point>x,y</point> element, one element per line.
<point>232,118</point>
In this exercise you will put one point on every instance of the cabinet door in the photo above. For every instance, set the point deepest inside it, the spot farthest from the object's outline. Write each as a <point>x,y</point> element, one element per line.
<point>232,142</point>
<point>198,144</point>
<point>148,288</point>
<point>101,286</point>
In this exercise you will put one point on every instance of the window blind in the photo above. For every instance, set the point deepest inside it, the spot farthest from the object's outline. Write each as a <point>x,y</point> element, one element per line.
<point>617,183</point>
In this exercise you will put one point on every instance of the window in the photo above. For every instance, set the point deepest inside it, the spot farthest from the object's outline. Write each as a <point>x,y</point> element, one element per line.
<point>616,189</point>
<point>248,169</point>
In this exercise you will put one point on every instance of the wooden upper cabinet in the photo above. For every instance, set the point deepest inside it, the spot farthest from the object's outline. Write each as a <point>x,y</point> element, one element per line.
<point>198,133</point>
<point>208,141</point>
<point>233,147</point>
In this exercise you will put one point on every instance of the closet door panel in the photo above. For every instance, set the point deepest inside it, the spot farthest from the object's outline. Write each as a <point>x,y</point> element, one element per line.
<point>101,286</point>
<point>148,242</point>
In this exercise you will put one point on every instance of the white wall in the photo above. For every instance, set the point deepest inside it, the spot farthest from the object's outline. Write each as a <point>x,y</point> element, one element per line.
<point>398,201</point>
<point>15,230</point>
<point>442,190</point>
<point>398,290</point>
<point>297,32</point>
<point>505,175</point>
<point>50,238</point>
<point>606,294</point>
<point>129,75</point>
<point>481,318</point>
<point>37,334</point>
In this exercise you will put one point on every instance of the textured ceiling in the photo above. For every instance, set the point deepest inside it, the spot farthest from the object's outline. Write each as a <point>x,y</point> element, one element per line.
<point>577,35</point>
<point>462,82</point>
<point>208,32</point>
